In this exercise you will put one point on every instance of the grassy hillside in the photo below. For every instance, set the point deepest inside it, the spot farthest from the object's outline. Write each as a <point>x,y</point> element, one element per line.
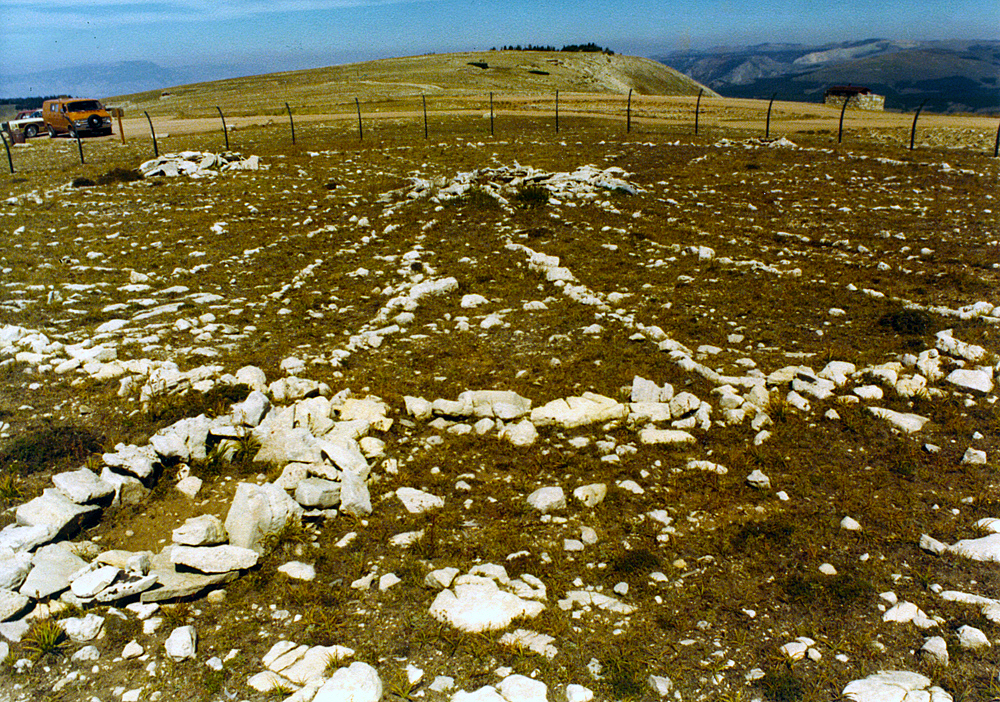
<point>442,78</point>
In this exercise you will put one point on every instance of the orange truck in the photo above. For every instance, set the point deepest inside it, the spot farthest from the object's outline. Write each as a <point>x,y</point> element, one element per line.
<point>76,117</point>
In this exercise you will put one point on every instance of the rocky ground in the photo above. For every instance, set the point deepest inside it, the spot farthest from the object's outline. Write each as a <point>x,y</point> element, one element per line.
<point>576,416</point>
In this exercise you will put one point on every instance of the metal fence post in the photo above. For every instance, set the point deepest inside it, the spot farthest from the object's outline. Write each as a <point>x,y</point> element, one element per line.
<point>156,149</point>
<point>291,122</point>
<point>424,98</point>
<point>767,129</point>
<point>10,161</point>
<point>557,112</point>
<point>996,146</point>
<point>224,130</point>
<point>840,129</point>
<point>361,134</point>
<point>913,129</point>
<point>628,113</point>
<point>79,146</point>
<point>491,113</point>
<point>697,110</point>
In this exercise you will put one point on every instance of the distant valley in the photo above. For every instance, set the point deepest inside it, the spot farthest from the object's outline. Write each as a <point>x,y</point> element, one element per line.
<point>952,76</point>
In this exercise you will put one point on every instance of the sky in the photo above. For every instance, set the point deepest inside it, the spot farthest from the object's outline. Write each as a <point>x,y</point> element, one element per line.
<point>256,36</point>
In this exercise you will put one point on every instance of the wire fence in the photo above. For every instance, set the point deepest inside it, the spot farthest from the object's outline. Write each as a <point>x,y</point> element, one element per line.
<point>624,114</point>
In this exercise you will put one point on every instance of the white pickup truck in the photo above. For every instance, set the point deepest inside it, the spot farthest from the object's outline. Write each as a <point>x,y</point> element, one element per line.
<point>30,124</point>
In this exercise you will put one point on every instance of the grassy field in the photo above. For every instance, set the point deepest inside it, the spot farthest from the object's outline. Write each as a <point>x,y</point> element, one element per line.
<point>753,256</point>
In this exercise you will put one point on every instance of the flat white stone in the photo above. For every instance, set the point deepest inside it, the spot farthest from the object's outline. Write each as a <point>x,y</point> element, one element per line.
<point>317,493</point>
<point>14,568</point>
<point>520,688</point>
<point>132,650</point>
<point>969,637</point>
<point>521,434</point>
<point>660,684</point>
<point>895,686</point>
<point>55,511</point>
<point>182,643</point>
<point>578,693</point>
<point>986,548</point>
<point>906,422</point>
<point>591,495</point>
<point>532,640</point>
<point>82,486</point>
<point>974,380</point>
<point>12,604</point>
<point>481,606</point>
<point>417,501</point>
<point>358,682</point>
<point>670,437</point>
<point>83,629</point>
<point>547,499</point>
<point>92,582</point>
<point>52,568</point>
<point>258,511</point>
<point>214,559</point>
<point>189,486</point>
<point>850,524</point>
<point>298,570</point>
<point>571,412</point>
<point>973,457</point>
<point>204,530</point>
<point>355,499</point>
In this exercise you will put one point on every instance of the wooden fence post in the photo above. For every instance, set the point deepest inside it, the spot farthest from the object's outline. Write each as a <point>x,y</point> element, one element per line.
<point>361,134</point>
<point>840,129</point>
<point>79,146</point>
<point>424,98</point>
<point>628,113</point>
<point>491,113</point>
<point>291,122</point>
<point>557,112</point>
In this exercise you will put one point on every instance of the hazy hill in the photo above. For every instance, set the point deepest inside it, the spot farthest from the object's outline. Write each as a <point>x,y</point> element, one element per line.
<point>438,76</point>
<point>951,76</point>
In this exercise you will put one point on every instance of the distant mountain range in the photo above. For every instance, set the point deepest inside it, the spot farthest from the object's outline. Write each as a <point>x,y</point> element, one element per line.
<point>105,80</point>
<point>952,76</point>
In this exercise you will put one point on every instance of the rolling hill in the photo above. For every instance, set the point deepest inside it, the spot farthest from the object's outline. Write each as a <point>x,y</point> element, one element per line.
<point>950,76</point>
<point>437,76</point>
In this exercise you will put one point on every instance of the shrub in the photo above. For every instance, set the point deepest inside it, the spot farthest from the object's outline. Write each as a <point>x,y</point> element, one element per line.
<point>909,322</point>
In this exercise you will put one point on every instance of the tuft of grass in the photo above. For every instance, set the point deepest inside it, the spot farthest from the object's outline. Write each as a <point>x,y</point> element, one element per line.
<point>623,677</point>
<point>781,686</point>
<point>532,197</point>
<point>45,638</point>
<point>83,182</point>
<point>119,175</point>
<point>10,491</point>
<point>908,322</point>
<point>478,199</point>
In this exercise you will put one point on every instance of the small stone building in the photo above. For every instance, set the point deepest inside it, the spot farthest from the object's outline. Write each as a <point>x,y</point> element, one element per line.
<point>857,97</point>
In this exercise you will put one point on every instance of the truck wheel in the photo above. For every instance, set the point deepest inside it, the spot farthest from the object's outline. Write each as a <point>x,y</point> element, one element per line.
<point>52,131</point>
<point>31,131</point>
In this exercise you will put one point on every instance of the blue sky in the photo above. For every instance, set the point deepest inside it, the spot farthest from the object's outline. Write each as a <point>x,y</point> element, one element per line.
<point>289,34</point>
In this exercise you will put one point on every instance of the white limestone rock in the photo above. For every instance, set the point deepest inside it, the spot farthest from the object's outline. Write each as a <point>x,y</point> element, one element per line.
<point>980,381</point>
<point>758,480</point>
<point>140,461</point>
<point>252,376</point>
<point>986,548</point>
<point>908,612</point>
<point>935,651</point>
<point>417,407</point>
<point>660,684</point>
<point>52,568</point>
<point>182,643</point>
<point>133,649</point>
<point>83,629</point>
<point>358,682</point>
<point>531,640</point>
<point>251,412</point>
<point>520,688</point>
<point>971,638</point>
<point>521,434</point>
<point>355,499</point>
<point>906,422</point>
<point>183,440</point>
<point>214,559</point>
<point>499,404</point>
<point>973,457</point>
<point>850,524</point>
<point>53,510</point>
<point>14,568</point>
<point>25,538</point>
<point>190,486</point>
<point>298,570</point>
<point>547,499</point>
<point>94,581</point>
<point>128,489</point>
<point>12,604</point>
<point>578,693</point>
<point>591,495</point>
<point>203,530</point>
<point>479,604</point>
<point>417,501</point>
<point>258,511</point>
<point>317,493</point>
<point>82,486</point>
<point>895,686</point>
<point>571,412</point>
<point>669,437</point>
